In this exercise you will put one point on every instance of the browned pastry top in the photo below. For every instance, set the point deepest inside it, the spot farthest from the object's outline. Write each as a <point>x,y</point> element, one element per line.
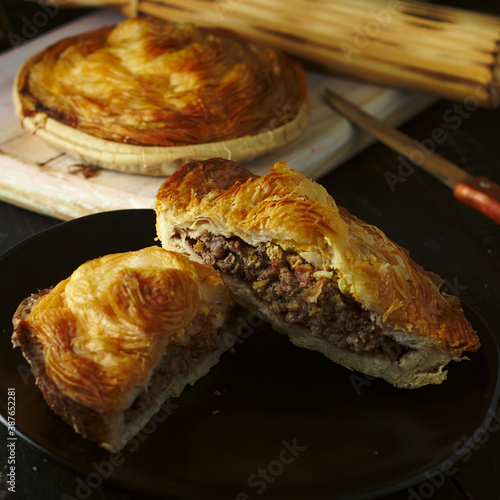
<point>103,330</point>
<point>148,82</point>
<point>286,208</point>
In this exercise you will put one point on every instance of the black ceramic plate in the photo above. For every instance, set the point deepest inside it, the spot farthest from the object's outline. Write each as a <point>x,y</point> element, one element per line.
<point>269,421</point>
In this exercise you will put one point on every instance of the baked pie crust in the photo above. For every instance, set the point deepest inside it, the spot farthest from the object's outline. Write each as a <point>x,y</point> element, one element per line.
<point>124,333</point>
<point>316,273</point>
<point>145,96</point>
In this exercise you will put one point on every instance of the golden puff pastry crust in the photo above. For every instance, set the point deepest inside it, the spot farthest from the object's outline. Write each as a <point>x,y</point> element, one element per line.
<point>330,281</point>
<point>122,334</point>
<point>144,96</point>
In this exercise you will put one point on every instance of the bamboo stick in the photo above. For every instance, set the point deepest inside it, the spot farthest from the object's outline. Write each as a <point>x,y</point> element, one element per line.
<point>363,9</point>
<point>350,18</point>
<point>430,48</point>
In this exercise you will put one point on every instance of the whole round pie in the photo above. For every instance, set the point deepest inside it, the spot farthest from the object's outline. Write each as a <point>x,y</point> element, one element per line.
<point>146,95</point>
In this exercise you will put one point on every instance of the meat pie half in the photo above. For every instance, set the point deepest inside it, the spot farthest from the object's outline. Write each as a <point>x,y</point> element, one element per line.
<point>125,332</point>
<point>329,281</point>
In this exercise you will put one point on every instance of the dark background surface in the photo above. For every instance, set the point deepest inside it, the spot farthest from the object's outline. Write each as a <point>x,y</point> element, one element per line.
<point>419,213</point>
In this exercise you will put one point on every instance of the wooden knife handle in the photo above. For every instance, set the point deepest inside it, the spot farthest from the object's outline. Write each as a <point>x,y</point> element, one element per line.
<point>481,194</point>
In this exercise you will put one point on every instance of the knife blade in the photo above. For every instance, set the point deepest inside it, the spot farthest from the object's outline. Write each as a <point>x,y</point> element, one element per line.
<point>477,192</point>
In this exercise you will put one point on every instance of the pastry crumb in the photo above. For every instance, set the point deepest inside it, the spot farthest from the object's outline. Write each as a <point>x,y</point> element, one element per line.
<point>88,171</point>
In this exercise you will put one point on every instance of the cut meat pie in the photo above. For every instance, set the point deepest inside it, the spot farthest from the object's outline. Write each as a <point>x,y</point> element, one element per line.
<point>125,332</point>
<point>329,281</point>
<point>146,96</point>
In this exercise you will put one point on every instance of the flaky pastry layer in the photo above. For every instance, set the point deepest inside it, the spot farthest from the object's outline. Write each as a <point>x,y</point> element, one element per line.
<point>103,330</point>
<point>288,210</point>
<point>150,83</point>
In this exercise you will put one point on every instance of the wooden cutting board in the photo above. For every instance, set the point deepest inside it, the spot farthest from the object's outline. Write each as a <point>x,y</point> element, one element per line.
<point>35,176</point>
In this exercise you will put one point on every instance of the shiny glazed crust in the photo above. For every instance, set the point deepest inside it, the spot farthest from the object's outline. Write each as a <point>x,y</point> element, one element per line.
<point>144,95</point>
<point>287,209</point>
<point>95,339</point>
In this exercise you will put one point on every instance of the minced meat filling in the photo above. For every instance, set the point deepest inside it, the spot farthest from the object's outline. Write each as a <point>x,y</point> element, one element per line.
<point>179,359</point>
<point>299,292</point>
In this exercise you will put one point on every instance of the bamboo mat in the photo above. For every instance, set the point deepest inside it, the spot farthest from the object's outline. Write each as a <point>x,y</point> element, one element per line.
<point>35,176</point>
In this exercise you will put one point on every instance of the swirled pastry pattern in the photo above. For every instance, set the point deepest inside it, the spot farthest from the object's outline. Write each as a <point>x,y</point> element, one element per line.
<point>147,82</point>
<point>104,329</point>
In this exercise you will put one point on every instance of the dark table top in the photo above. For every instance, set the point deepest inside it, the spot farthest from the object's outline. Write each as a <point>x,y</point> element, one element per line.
<point>419,213</point>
